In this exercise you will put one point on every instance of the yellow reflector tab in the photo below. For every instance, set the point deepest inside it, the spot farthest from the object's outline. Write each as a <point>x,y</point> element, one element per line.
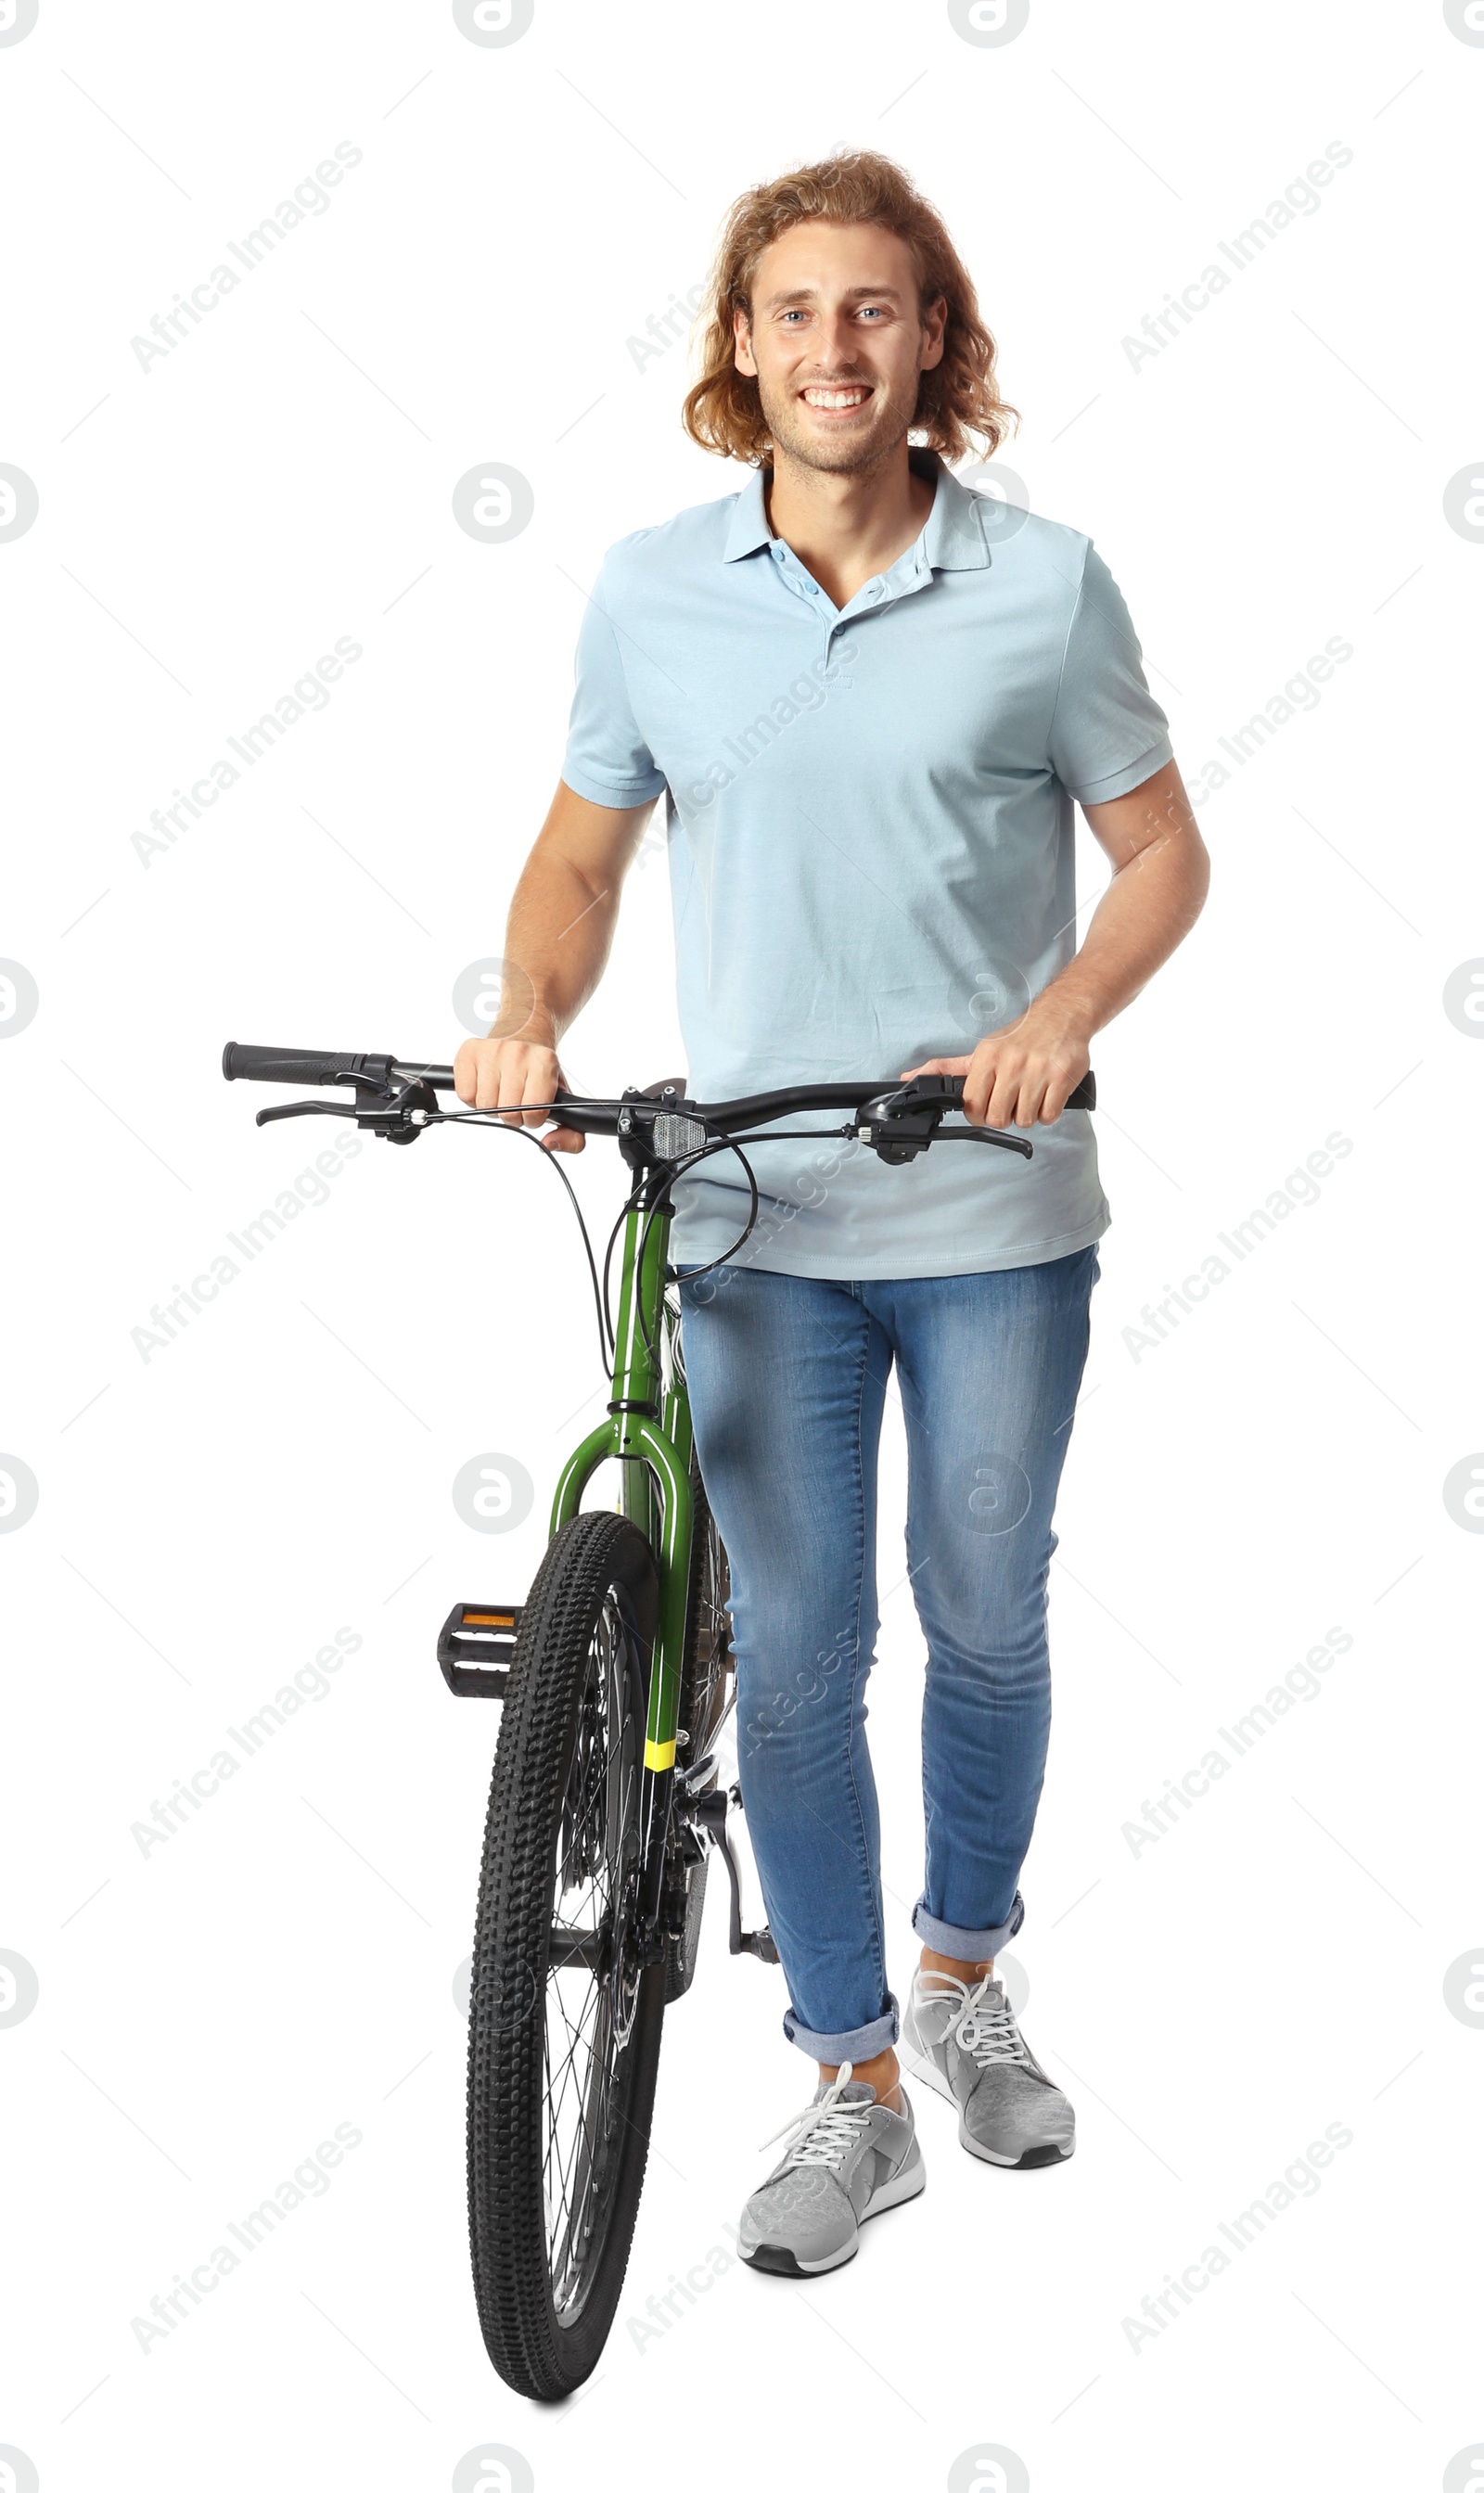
<point>658,1753</point>
<point>488,1619</point>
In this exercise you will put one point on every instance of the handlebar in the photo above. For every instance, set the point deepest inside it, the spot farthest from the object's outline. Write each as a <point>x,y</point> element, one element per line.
<point>927,1094</point>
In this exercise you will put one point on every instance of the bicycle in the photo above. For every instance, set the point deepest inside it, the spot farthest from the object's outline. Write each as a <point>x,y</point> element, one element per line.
<point>616,1678</point>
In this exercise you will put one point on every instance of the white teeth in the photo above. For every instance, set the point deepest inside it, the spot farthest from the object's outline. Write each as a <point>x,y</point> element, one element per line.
<point>834,398</point>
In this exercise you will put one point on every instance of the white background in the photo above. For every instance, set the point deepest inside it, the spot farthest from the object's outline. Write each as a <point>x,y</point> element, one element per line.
<point>210,1514</point>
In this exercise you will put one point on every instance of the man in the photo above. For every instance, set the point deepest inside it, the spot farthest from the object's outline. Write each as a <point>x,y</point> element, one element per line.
<point>869,697</point>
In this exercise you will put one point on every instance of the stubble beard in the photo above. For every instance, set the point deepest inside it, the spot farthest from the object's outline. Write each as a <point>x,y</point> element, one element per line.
<point>856,456</point>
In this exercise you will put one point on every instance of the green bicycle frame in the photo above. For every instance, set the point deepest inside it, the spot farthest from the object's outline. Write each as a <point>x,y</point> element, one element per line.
<point>647,1430</point>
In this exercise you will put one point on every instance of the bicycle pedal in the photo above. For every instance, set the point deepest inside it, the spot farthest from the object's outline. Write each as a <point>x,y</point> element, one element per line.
<point>476,1644</point>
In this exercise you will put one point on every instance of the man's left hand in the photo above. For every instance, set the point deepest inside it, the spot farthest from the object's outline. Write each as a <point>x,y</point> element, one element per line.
<point>1020,1077</point>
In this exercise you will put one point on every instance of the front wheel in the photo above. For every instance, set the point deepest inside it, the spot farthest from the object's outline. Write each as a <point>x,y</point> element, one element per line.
<point>564,2025</point>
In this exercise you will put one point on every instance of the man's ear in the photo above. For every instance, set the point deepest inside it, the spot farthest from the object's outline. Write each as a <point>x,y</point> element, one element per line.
<point>741,331</point>
<point>935,311</point>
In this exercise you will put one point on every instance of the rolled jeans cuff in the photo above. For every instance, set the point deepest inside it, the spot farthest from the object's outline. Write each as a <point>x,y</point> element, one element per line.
<point>860,2043</point>
<point>971,1948</point>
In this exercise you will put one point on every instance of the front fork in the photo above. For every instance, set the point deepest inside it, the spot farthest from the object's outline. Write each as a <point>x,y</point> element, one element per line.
<point>647,1430</point>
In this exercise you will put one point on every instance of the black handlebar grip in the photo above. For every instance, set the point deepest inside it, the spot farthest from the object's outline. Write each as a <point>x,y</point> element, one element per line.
<point>241,1064</point>
<point>1085,1095</point>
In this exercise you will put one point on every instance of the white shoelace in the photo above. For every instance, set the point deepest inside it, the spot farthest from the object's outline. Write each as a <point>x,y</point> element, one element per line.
<point>825,2132</point>
<point>983,2028</point>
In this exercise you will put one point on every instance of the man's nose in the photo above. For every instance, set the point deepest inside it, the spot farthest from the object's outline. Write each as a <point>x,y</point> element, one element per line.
<point>835,342</point>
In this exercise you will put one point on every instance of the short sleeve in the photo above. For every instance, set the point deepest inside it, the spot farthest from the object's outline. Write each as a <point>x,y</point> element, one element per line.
<point>607,759</point>
<point>1109,733</point>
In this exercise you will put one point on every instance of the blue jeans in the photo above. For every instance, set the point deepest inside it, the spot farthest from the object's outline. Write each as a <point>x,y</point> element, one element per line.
<point>787,1381</point>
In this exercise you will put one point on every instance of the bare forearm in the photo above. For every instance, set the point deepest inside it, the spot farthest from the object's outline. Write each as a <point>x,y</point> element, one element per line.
<point>1148,908</point>
<point>556,944</point>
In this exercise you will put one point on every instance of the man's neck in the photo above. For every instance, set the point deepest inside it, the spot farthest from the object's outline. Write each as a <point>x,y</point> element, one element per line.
<point>845,529</point>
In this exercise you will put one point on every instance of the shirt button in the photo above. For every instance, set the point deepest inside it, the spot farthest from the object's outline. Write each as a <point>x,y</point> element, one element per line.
<point>777,553</point>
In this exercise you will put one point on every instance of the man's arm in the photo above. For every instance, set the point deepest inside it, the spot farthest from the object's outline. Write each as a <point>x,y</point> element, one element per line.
<point>1025,1075</point>
<point>557,938</point>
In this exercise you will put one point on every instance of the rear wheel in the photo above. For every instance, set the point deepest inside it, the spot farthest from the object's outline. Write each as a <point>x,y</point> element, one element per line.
<point>564,2025</point>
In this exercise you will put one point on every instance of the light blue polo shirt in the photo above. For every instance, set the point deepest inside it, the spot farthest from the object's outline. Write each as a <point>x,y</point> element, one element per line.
<point>870,812</point>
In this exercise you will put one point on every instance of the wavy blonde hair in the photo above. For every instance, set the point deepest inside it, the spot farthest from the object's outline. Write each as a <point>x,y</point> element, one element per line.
<point>959,406</point>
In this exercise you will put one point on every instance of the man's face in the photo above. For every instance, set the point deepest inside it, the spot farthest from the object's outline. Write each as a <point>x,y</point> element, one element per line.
<point>837,342</point>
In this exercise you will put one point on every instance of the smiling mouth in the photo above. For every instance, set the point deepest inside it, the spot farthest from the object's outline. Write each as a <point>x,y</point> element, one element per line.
<point>836,402</point>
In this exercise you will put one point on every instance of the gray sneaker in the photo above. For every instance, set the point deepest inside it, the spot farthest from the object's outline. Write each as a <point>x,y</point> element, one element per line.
<point>967,2046</point>
<point>848,2157</point>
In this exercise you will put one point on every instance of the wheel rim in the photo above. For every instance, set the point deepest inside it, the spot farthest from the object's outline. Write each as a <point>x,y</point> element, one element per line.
<point>592,1980</point>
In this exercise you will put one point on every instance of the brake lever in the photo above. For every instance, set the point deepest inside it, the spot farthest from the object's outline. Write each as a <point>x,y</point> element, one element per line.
<point>304,1108</point>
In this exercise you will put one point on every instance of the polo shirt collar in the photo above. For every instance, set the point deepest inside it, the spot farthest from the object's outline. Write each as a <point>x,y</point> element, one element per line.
<point>953,535</point>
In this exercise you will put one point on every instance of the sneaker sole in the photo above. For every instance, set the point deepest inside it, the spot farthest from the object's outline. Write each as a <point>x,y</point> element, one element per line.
<point>1034,2159</point>
<point>772,2258</point>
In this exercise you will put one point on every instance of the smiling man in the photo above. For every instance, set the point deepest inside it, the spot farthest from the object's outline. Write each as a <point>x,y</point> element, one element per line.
<point>869,697</point>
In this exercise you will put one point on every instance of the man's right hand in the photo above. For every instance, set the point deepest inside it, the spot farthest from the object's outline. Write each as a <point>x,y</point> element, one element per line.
<point>502,1072</point>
